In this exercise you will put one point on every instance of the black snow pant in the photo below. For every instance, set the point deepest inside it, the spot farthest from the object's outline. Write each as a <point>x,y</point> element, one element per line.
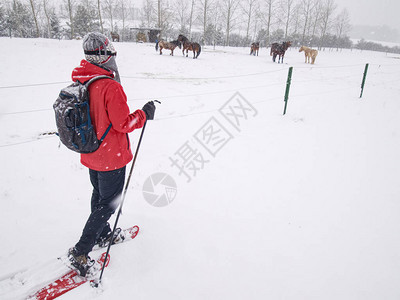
<point>107,188</point>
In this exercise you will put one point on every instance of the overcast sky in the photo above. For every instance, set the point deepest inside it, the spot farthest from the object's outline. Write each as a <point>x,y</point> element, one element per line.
<point>362,12</point>
<point>372,12</point>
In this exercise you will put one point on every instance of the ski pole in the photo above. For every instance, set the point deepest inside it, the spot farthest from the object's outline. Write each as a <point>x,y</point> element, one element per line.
<point>97,283</point>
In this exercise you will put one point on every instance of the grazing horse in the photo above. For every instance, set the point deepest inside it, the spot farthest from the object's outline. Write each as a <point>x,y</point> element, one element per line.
<point>114,37</point>
<point>189,46</point>
<point>254,48</point>
<point>279,50</point>
<point>168,45</point>
<point>309,54</point>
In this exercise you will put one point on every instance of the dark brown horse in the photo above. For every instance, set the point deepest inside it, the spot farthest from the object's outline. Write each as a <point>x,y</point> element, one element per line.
<point>254,48</point>
<point>189,46</point>
<point>195,47</point>
<point>279,50</point>
<point>168,45</point>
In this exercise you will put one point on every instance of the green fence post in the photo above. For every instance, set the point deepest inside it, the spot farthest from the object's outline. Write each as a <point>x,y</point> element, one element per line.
<point>289,80</point>
<point>363,80</point>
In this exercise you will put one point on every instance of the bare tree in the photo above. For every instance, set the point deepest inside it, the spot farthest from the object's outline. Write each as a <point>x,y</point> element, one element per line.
<point>342,25</point>
<point>123,12</point>
<point>159,13</point>
<point>249,8</point>
<point>35,11</point>
<point>110,7</point>
<point>191,19</point>
<point>296,19</point>
<point>217,20</point>
<point>100,18</point>
<point>205,7</point>
<point>229,7</point>
<point>317,15</point>
<point>182,11</point>
<point>269,8</point>
<point>210,17</point>
<point>306,9</point>
<point>257,23</point>
<point>165,16</point>
<point>327,19</point>
<point>147,12</point>
<point>287,9</point>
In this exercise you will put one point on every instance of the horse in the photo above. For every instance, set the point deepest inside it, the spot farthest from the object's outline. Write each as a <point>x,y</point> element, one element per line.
<point>114,37</point>
<point>195,47</point>
<point>168,45</point>
<point>189,46</point>
<point>254,48</point>
<point>279,49</point>
<point>183,40</point>
<point>310,54</point>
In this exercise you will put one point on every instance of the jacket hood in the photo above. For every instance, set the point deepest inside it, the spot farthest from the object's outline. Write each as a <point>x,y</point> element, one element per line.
<point>87,71</point>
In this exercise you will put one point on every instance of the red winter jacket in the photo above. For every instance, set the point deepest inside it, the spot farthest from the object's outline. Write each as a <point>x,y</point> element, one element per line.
<point>108,104</point>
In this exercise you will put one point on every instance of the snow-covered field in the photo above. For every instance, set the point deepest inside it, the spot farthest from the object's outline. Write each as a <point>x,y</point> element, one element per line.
<point>300,206</point>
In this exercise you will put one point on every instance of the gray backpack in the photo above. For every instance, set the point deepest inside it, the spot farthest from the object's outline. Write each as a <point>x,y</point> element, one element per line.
<point>73,120</point>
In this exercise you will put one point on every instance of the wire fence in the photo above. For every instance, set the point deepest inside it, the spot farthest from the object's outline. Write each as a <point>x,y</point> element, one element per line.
<point>357,73</point>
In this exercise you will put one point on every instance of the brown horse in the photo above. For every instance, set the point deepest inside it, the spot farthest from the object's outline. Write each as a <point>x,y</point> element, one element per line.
<point>195,47</point>
<point>254,48</point>
<point>114,37</point>
<point>168,45</point>
<point>189,46</point>
<point>309,54</point>
<point>279,50</point>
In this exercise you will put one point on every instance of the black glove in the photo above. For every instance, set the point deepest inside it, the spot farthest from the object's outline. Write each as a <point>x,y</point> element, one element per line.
<point>149,109</point>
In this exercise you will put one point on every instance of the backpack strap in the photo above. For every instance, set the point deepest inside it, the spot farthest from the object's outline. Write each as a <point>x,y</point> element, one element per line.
<point>87,88</point>
<point>96,78</point>
<point>105,133</point>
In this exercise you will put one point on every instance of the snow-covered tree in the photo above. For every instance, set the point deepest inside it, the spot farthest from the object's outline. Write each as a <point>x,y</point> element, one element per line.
<point>35,7</point>
<point>3,21</point>
<point>52,26</point>
<point>20,20</point>
<point>68,8</point>
<point>85,20</point>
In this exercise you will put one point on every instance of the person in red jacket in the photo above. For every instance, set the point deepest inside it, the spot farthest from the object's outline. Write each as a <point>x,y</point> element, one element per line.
<point>108,105</point>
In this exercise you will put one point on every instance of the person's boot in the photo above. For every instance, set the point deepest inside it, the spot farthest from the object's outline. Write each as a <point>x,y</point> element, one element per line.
<point>119,236</point>
<point>81,262</point>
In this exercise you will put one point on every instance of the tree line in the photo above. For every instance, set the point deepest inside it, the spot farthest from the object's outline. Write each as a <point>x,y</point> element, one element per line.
<point>315,23</point>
